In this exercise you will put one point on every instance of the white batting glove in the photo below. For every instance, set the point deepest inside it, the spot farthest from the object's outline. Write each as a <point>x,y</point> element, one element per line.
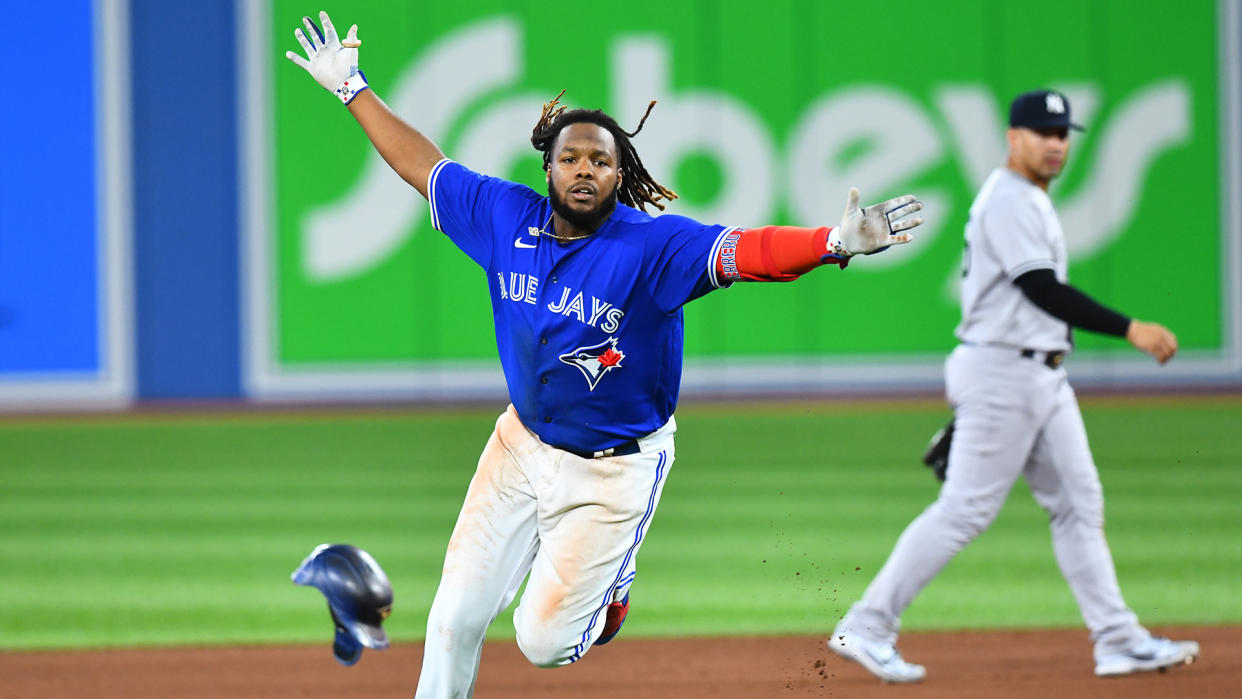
<point>875,228</point>
<point>331,62</point>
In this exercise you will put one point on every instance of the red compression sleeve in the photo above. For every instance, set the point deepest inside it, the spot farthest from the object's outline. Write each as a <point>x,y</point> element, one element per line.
<point>773,253</point>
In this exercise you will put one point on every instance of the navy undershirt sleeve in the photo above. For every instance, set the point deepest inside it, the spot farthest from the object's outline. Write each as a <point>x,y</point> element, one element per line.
<point>1066,303</point>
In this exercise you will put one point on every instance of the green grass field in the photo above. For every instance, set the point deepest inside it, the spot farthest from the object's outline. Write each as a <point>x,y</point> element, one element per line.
<point>145,530</point>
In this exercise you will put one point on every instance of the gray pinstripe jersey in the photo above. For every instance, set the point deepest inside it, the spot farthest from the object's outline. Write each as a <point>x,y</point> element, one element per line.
<point>1012,230</point>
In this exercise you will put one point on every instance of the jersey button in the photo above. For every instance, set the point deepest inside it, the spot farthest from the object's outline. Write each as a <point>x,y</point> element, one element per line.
<point>553,280</point>
<point>547,419</point>
<point>543,379</point>
<point>543,340</point>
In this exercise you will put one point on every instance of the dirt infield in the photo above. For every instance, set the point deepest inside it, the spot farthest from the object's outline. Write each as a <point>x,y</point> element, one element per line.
<point>993,664</point>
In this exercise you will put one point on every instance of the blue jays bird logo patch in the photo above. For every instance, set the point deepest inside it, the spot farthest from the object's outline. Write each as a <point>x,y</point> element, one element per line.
<point>596,360</point>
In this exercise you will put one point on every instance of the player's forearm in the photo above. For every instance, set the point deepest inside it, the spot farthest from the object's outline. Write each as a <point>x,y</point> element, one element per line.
<point>773,253</point>
<point>1066,303</point>
<point>404,148</point>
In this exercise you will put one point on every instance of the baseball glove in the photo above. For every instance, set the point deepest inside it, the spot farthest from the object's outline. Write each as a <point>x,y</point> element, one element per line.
<point>937,455</point>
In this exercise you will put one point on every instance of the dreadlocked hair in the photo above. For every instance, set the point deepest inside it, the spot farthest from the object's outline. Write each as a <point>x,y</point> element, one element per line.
<point>637,188</point>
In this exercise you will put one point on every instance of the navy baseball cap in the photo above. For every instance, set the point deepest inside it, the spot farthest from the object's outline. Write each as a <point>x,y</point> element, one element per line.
<point>1041,109</point>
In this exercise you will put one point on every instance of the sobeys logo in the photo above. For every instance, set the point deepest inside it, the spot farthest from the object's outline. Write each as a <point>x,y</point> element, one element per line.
<point>903,139</point>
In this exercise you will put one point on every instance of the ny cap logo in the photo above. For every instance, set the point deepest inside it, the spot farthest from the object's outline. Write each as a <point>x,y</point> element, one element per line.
<point>1054,104</point>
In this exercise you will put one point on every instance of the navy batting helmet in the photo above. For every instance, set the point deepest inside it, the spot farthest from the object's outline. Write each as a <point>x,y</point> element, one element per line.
<point>359,596</point>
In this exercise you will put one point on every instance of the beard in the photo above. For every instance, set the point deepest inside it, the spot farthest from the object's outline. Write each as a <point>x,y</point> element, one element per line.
<point>588,220</point>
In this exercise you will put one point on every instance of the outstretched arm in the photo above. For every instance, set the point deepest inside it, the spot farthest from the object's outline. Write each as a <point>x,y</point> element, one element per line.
<point>783,253</point>
<point>333,63</point>
<point>403,147</point>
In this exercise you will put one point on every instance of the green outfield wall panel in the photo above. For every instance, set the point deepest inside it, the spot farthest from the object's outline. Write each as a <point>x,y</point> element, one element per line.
<point>766,114</point>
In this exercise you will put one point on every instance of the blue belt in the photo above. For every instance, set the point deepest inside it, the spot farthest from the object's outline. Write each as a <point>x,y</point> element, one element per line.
<point>630,447</point>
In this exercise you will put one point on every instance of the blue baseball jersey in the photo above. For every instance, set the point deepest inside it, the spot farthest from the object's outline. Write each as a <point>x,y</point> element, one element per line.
<point>589,331</point>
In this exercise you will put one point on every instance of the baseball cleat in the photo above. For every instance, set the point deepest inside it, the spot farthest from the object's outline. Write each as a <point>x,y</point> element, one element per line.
<point>617,611</point>
<point>880,659</point>
<point>1152,654</point>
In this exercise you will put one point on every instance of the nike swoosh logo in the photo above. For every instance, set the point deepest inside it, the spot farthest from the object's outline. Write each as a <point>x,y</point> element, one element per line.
<point>517,243</point>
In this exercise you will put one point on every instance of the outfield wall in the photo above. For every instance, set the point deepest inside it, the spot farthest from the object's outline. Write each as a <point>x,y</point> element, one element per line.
<point>210,226</point>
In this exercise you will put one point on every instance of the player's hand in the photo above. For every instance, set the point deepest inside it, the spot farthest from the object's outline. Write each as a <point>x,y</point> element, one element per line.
<point>1152,338</point>
<point>875,228</point>
<point>330,61</point>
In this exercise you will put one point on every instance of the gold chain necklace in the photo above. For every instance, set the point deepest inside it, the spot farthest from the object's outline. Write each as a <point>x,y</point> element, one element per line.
<point>554,236</point>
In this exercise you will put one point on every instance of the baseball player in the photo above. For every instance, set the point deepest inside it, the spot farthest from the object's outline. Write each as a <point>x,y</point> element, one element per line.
<point>1016,415</point>
<point>586,290</point>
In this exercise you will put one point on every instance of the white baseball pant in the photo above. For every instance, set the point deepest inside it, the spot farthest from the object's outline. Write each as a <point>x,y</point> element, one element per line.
<point>1014,417</point>
<point>575,525</point>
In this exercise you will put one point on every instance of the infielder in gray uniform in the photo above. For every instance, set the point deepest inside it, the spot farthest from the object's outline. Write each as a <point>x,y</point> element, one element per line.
<point>1016,415</point>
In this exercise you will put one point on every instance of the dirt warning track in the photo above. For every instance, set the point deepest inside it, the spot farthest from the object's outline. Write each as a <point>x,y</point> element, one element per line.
<point>1011,664</point>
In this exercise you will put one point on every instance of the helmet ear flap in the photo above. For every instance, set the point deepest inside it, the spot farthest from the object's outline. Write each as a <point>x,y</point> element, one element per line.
<point>345,648</point>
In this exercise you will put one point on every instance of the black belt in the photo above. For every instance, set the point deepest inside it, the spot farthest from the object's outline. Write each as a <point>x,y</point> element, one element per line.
<point>630,447</point>
<point>1052,360</point>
